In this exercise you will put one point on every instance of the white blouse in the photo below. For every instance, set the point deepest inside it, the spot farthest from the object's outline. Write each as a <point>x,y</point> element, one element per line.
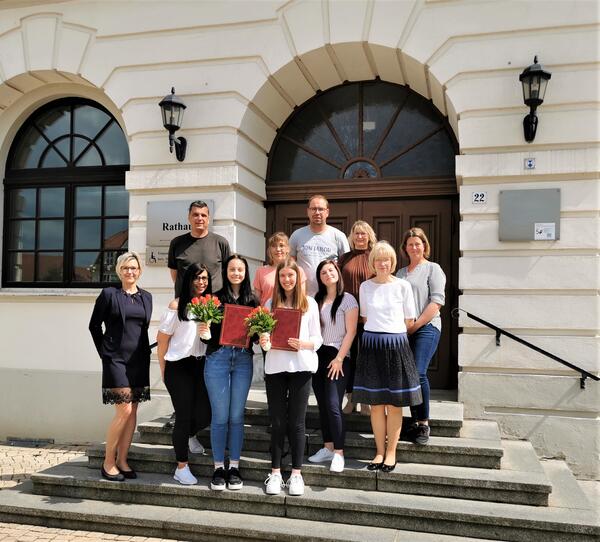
<point>284,361</point>
<point>184,337</point>
<point>387,305</point>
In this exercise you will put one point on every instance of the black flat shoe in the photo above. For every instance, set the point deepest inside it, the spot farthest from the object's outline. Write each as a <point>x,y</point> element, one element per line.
<point>387,468</point>
<point>375,466</point>
<point>129,474</point>
<point>112,477</point>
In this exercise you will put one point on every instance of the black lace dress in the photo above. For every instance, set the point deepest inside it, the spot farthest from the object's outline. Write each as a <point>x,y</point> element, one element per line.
<point>133,371</point>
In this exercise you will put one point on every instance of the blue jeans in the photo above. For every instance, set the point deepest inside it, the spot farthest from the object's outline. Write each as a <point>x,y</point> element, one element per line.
<point>228,375</point>
<point>423,343</point>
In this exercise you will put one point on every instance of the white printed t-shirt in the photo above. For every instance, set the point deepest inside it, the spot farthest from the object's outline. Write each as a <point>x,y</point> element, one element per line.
<point>310,249</point>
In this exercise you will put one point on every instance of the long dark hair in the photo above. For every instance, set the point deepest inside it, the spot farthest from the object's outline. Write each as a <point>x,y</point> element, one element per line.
<point>322,292</point>
<point>186,288</point>
<point>246,296</point>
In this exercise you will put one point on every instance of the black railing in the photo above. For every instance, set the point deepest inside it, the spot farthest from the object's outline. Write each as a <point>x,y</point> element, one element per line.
<point>499,332</point>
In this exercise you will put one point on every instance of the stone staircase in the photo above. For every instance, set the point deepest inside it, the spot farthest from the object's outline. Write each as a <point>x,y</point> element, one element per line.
<point>466,484</point>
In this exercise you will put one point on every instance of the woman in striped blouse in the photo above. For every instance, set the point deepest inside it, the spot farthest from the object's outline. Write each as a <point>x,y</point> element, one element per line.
<point>339,316</point>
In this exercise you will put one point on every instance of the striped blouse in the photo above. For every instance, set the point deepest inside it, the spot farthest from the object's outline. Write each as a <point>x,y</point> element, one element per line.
<point>334,333</point>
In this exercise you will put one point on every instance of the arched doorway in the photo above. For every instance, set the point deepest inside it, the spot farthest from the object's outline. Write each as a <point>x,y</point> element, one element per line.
<point>379,152</point>
<point>66,213</point>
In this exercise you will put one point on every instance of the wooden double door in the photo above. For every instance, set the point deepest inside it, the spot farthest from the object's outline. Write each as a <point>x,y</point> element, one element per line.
<point>390,218</point>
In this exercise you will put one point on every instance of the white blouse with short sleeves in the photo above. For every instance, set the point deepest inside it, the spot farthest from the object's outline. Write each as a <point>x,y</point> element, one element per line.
<point>387,305</point>
<point>184,337</point>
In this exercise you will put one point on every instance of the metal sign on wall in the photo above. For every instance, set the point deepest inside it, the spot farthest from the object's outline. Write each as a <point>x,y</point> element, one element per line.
<point>165,221</point>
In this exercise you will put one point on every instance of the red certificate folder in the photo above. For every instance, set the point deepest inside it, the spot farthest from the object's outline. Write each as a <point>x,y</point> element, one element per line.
<point>233,330</point>
<point>287,326</point>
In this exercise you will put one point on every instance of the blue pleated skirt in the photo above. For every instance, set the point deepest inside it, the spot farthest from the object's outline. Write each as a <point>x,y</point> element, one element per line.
<point>385,371</point>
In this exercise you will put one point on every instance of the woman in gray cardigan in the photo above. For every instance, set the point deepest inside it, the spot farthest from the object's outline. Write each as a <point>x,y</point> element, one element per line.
<point>428,284</point>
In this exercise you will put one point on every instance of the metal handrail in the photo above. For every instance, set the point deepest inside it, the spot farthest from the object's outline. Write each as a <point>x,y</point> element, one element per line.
<point>499,331</point>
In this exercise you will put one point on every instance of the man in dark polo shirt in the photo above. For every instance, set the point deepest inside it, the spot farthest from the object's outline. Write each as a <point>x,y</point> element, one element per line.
<point>198,246</point>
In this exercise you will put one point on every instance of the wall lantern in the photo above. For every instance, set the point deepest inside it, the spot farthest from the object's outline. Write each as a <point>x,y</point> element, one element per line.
<point>172,108</point>
<point>534,80</point>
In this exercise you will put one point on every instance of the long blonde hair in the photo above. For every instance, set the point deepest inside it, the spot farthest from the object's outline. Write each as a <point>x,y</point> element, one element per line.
<point>299,300</point>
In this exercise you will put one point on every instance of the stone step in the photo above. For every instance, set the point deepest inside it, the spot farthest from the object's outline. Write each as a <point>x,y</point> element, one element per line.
<point>479,448</point>
<point>569,518</point>
<point>20,505</point>
<point>446,418</point>
<point>521,479</point>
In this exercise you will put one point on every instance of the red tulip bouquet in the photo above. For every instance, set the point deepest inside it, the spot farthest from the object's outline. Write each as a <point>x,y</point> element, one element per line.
<point>207,309</point>
<point>260,321</point>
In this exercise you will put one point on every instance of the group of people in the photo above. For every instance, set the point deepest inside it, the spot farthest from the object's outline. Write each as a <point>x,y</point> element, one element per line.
<point>365,332</point>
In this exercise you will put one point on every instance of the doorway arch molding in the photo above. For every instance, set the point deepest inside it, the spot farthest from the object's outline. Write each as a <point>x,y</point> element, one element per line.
<point>273,103</point>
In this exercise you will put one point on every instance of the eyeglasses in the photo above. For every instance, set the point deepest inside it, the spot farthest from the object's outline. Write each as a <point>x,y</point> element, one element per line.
<point>201,278</point>
<point>317,209</point>
<point>130,269</point>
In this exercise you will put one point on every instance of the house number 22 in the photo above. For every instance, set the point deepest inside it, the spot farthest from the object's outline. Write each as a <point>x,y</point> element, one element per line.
<point>478,198</point>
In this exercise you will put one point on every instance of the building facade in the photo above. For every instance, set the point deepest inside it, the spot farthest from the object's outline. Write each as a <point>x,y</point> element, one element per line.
<point>431,88</point>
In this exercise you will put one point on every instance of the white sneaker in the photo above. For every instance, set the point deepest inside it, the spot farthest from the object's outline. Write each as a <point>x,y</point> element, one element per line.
<point>324,454</point>
<point>274,483</point>
<point>195,446</point>
<point>337,463</point>
<point>184,476</point>
<point>295,485</point>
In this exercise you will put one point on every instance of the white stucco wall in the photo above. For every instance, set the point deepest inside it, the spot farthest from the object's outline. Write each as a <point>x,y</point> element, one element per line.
<point>241,68</point>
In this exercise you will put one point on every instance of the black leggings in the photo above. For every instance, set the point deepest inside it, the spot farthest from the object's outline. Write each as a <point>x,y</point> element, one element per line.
<point>184,380</point>
<point>330,394</point>
<point>287,395</point>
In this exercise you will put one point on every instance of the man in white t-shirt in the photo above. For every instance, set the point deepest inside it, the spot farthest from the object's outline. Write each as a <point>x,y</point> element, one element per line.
<point>316,242</point>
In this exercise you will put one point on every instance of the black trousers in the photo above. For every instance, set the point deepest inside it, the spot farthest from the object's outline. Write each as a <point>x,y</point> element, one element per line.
<point>184,380</point>
<point>287,395</point>
<point>330,394</point>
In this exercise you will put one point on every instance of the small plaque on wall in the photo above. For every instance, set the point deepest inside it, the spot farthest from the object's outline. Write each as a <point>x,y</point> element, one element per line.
<point>529,215</point>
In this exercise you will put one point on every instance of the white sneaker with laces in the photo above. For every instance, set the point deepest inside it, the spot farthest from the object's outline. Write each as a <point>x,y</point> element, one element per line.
<point>184,476</point>
<point>295,485</point>
<point>337,463</point>
<point>324,454</point>
<point>195,446</point>
<point>274,483</point>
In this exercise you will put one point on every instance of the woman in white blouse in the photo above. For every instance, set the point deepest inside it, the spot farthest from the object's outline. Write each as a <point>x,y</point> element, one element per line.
<point>181,355</point>
<point>386,376</point>
<point>288,376</point>
<point>339,316</point>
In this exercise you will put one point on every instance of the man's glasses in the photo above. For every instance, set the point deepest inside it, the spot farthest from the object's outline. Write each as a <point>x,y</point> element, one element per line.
<point>317,209</point>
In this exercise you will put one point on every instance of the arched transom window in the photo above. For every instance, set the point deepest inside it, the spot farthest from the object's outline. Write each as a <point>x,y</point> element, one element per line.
<point>66,207</point>
<point>365,130</point>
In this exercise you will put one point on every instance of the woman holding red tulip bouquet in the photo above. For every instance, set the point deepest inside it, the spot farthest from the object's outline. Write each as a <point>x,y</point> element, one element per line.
<point>228,375</point>
<point>288,376</point>
<point>181,355</point>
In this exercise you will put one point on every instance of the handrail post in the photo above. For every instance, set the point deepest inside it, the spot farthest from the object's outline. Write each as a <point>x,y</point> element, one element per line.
<point>582,381</point>
<point>498,335</point>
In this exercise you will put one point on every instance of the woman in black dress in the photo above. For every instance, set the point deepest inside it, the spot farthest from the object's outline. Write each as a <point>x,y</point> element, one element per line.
<point>124,349</point>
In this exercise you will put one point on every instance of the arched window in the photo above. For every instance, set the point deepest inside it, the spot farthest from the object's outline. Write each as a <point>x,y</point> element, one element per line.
<point>369,129</point>
<point>66,208</point>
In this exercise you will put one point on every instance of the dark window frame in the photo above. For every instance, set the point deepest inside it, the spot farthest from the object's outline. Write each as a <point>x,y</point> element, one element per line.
<point>70,177</point>
<point>282,135</point>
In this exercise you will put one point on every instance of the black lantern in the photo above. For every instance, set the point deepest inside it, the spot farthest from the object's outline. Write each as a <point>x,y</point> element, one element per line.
<point>534,80</point>
<point>172,108</point>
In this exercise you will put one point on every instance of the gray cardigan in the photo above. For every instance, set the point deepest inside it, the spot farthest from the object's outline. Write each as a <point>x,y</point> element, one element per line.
<point>428,283</point>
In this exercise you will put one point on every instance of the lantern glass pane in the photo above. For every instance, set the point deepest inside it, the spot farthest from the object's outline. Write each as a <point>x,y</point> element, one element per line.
<point>543,85</point>
<point>180,116</point>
